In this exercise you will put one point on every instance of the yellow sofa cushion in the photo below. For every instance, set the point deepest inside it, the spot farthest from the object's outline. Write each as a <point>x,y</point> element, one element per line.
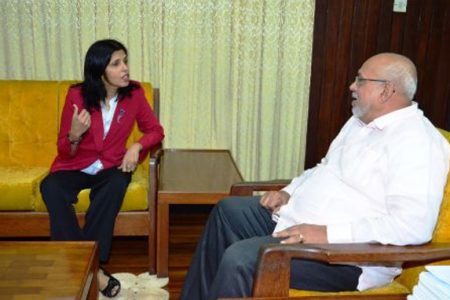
<point>135,197</point>
<point>28,134</point>
<point>19,186</point>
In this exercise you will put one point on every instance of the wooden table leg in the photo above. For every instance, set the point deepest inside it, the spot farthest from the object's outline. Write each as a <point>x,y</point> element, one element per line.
<point>162,243</point>
<point>93,289</point>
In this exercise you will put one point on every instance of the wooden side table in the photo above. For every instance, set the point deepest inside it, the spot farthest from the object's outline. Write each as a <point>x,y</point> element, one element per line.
<point>48,270</point>
<point>189,177</point>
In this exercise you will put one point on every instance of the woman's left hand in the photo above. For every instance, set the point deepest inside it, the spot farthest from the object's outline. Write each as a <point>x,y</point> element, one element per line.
<point>130,160</point>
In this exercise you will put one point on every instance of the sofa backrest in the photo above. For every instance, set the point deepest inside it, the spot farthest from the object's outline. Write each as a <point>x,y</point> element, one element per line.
<point>29,122</point>
<point>31,112</point>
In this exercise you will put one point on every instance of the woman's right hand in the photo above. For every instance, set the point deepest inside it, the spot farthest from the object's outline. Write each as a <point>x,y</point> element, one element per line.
<point>274,200</point>
<point>80,123</point>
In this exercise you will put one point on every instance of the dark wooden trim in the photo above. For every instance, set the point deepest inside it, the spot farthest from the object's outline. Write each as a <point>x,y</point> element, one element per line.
<point>273,271</point>
<point>156,102</point>
<point>247,188</point>
<point>347,32</point>
<point>36,224</point>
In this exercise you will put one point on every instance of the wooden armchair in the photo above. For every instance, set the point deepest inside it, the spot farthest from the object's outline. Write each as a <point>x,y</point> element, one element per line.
<point>273,270</point>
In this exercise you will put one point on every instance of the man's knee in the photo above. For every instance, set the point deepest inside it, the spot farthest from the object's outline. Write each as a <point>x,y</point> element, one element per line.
<point>227,202</point>
<point>233,204</point>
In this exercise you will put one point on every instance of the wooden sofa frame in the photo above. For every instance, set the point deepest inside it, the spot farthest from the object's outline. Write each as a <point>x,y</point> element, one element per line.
<point>26,224</point>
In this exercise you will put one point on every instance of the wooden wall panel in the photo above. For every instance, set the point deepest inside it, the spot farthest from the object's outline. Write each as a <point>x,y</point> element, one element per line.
<point>347,32</point>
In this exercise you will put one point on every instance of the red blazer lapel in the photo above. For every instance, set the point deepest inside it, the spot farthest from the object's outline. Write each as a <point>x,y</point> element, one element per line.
<point>97,128</point>
<point>118,118</point>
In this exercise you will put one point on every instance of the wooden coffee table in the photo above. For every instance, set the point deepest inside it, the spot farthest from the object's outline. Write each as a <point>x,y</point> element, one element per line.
<point>48,270</point>
<point>189,177</point>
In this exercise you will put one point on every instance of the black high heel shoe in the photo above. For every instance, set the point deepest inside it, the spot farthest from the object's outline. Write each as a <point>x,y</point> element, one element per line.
<point>113,287</point>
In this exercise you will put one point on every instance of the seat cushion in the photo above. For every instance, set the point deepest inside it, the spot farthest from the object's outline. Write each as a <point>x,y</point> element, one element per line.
<point>392,288</point>
<point>19,187</point>
<point>135,198</point>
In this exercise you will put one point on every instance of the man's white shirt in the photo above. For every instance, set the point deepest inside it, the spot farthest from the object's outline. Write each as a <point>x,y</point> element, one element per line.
<point>379,182</point>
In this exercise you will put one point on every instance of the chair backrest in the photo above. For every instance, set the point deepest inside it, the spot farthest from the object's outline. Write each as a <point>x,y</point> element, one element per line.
<point>442,231</point>
<point>441,234</point>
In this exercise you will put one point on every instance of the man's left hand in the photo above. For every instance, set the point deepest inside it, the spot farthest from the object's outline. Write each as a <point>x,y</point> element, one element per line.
<point>303,233</point>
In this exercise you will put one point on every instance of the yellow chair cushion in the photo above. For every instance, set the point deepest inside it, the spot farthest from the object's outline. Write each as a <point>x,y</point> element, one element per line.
<point>392,288</point>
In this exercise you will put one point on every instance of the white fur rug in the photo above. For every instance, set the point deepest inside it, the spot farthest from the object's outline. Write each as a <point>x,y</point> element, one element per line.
<point>140,287</point>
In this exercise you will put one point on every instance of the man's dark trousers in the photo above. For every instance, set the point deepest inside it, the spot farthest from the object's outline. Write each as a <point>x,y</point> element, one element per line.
<point>225,259</point>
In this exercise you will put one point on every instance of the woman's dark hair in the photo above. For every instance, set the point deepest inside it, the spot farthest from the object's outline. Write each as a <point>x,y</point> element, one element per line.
<point>97,59</point>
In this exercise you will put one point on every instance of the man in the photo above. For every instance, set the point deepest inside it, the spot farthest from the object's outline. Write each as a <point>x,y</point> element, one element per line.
<point>381,181</point>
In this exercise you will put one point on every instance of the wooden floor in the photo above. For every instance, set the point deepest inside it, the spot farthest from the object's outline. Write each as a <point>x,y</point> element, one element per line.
<point>186,225</point>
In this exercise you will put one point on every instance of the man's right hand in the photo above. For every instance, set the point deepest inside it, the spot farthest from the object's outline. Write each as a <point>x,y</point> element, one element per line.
<point>274,200</point>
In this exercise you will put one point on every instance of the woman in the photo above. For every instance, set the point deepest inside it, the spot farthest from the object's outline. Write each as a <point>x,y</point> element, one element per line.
<point>97,119</point>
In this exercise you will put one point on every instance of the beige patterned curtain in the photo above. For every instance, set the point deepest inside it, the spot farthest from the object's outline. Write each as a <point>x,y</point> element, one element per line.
<point>232,74</point>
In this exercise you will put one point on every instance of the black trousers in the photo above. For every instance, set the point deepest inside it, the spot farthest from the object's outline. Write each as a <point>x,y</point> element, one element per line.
<point>225,258</point>
<point>59,191</point>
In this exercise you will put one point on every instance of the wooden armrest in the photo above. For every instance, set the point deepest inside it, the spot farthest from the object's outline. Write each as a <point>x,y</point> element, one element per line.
<point>273,271</point>
<point>155,153</point>
<point>247,188</point>
<point>153,173</point>
<point>153,183</point>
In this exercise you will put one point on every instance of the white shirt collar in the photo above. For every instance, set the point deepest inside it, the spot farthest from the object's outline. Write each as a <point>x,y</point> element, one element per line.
<point>389,118</point>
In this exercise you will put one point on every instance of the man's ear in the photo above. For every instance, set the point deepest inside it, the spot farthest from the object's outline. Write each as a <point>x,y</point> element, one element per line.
<point>388,91</point>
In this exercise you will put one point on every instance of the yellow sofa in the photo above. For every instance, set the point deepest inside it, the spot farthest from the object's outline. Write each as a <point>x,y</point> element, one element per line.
<point>30,123</point>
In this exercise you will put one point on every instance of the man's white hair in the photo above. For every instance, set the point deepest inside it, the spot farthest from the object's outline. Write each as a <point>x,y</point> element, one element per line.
<point>403,72</point>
